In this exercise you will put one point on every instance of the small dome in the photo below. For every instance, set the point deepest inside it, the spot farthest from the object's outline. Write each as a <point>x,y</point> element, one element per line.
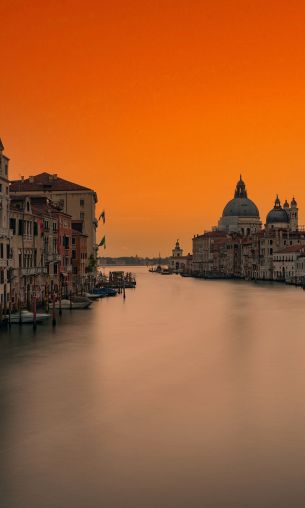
<point>293,202</point>
<point>278,214</point>
<point>286,204</point>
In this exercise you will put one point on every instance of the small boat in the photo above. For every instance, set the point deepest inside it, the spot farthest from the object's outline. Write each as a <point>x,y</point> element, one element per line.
<point>158,269</point>
<point>74,303</point>
<point>102,292</point>
<point>166,272</point>
<point>25,316</point>
<point>91,296</point>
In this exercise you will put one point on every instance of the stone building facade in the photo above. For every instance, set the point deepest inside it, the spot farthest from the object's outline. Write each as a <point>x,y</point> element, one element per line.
<point>75,200</point>
<point>5,234</point>
<point>178,263</point>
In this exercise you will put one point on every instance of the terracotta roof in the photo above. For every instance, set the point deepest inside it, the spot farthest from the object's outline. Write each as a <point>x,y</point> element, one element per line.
<point>215,234</point>
<point>291,248</point>
<point>45,182</point>
<point>75,232</point>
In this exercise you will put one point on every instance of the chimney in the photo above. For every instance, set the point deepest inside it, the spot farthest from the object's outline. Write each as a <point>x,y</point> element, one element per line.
<point>31,179</point>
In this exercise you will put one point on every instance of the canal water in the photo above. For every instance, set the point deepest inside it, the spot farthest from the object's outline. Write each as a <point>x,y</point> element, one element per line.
<point>188,394</point>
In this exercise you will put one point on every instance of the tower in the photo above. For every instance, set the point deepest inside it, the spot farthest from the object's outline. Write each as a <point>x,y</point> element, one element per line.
<point>240,191</point>
<point>294,215</point>
<point>177,251</point>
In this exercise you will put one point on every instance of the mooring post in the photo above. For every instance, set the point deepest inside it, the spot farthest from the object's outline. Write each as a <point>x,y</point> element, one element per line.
<point>34,311</point>
<point>53,309</point>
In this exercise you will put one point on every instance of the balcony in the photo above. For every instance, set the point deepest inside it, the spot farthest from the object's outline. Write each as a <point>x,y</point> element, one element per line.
<point>53,258</point>
<point>6,263</point>
<point>38,270</point>
<point>5,233</point>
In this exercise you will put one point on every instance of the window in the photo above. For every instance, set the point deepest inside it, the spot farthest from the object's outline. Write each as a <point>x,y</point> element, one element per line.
<point>13,225</point>
<point>82,215</point>
<point>20,227</point>
<point>65,241</point>
<point>82,202</point>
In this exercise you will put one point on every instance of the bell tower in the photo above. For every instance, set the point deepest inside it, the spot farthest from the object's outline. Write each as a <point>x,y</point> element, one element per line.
<point>240,191</point>
<point>294,215</point>
<point>177,251</point>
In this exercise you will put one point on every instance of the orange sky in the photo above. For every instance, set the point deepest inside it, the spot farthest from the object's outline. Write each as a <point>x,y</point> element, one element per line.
<point>158,105</point>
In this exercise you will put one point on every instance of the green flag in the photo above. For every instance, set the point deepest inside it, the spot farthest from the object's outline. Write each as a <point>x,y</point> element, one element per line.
<point>102,216</point>
<point>103,242</point>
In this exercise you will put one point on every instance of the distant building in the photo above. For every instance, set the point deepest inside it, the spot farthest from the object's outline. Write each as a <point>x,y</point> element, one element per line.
<point>285,218</point>
<point>179,263</point>
<point>76,200</point>
<point>5,234</point>
<point>240,248</point>
<point>79,258</point>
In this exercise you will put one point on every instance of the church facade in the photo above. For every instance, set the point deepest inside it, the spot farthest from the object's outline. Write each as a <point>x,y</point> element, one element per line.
<point>241,247</point>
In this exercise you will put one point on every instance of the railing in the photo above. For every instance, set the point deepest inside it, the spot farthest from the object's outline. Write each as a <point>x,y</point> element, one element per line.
<point>6,263</point>
<point>38,270</point>
<point>5,232</point>
<point>53,258</point>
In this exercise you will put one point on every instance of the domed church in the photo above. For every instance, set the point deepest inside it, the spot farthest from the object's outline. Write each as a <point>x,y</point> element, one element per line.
<point>285,217</point>
<point>240,215</point>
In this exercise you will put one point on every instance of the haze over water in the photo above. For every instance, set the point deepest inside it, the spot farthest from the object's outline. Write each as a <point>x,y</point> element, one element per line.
<point>190,393</point>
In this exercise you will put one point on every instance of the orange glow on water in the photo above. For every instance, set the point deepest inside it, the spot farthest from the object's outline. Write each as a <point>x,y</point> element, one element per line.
<point>158,106</point>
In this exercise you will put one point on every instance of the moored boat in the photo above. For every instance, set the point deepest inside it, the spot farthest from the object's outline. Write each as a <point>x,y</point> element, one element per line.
<point>27,317</point>
<point>91,296</point>
<point>102,292</point>
<point>74,303</point>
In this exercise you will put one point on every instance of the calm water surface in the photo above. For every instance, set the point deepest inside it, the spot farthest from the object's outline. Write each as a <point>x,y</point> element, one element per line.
<point>188,394</point>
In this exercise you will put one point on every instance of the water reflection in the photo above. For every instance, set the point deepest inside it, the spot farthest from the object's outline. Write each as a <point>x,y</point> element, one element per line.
<point>190,393</point>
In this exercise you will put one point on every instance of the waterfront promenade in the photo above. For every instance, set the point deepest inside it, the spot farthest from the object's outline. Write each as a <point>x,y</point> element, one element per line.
<point>189,393</point>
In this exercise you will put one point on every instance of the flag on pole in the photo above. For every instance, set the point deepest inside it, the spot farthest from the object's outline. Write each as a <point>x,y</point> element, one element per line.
<point>103,242</point>
<point>102,216</point>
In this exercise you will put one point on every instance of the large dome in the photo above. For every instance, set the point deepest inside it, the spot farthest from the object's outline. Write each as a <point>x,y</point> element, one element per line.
<point>240,207</point>
<point>277,215</point>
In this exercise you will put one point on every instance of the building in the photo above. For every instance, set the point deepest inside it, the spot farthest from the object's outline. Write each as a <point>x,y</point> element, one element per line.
<point>5,234</point>
<point>179,263</point>
<point>289,264</point>
<point>29,270</point>
<point>75,200</point>
<point>79,260</point>
<point>240,248</point>
<point>283,218</point>
<point>204,248</point>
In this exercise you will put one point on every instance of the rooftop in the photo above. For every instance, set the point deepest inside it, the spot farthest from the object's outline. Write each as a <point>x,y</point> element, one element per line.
<point>292,248</point>
<point>45,182</point>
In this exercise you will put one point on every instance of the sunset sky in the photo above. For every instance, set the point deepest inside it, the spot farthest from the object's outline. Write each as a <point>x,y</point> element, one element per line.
<point>158,105</point>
